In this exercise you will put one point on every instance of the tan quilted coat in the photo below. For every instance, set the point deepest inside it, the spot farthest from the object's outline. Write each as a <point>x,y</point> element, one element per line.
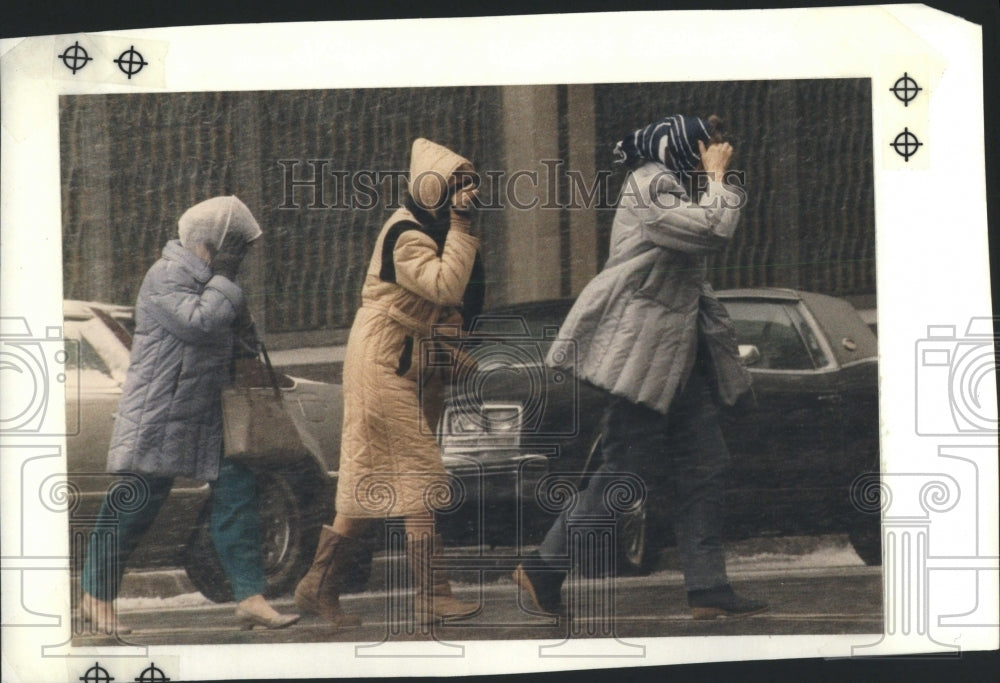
<point>390,463</point>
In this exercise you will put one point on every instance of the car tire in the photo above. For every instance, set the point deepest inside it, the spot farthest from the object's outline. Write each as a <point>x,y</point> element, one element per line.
<point>866,539</point>
<point>290,524</point>
<point>865,523</point>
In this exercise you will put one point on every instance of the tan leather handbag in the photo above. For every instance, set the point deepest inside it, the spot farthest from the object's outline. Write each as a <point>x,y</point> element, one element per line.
<point>257,425</point>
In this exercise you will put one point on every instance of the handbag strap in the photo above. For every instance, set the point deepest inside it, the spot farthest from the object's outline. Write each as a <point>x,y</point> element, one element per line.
<point>267,361</point>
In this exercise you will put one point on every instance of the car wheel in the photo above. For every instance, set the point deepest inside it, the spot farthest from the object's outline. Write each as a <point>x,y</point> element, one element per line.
<point>866,539</point>
<point>865,523</point>
<point>290,529</point>
<point>867,543</point>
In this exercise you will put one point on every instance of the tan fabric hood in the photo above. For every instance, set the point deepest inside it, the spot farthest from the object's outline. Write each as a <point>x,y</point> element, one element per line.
<point>430,167</point>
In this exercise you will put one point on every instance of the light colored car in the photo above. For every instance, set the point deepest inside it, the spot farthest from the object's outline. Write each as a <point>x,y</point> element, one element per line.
<point>295,499</point>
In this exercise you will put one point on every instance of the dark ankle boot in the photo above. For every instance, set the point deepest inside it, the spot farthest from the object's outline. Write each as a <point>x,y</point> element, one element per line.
<point>542,584</point>
<point>319,590</point>
<point>721,601</point>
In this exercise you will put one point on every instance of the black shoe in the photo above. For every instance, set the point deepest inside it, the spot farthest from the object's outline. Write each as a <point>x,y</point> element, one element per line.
<point>543,585</point>
<point>722,602</point>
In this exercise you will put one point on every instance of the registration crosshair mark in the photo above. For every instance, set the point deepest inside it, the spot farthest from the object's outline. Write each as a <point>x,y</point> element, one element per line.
<point>131,62</point>
<point>97,674</point>
<point>905,89</point>
<point>75,57</point>
<point>906,144</point>
<point>152,674</point>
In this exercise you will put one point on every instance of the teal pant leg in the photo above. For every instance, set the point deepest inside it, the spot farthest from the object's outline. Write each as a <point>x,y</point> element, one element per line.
<point>120,525</point>
<point>235,529</point>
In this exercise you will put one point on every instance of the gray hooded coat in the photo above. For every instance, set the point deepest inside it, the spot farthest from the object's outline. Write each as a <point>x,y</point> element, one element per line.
<point>636,325</point>
<point>169,420</point>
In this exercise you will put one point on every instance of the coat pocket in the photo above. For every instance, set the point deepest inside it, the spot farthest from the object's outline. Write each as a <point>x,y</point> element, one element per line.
<point>406,357</point>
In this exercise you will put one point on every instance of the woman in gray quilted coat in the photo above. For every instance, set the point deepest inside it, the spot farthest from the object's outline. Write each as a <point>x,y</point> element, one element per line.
<point>649,330</point>
<point>169,419</point>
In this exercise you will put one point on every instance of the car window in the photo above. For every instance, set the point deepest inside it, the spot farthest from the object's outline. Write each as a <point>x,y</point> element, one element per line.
<point>772,327</point>
<point>819,357</point>
<point>83,363</point>
<point>100,349</point>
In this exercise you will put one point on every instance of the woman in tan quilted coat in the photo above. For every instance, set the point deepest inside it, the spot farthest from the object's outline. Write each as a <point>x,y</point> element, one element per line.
<point>390,463</point>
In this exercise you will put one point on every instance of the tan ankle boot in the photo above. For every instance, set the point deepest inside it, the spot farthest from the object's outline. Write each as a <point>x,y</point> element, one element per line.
<point>432,590</point>
<point>319,590</point>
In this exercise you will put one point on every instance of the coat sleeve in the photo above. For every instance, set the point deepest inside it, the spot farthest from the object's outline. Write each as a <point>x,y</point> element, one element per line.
<point>669,219</point>
<point>195,317</point>
<point>439,279</point>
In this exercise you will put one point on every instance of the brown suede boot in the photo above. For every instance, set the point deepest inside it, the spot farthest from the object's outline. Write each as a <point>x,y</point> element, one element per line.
<point>433,600</point>
<point>319,590</point>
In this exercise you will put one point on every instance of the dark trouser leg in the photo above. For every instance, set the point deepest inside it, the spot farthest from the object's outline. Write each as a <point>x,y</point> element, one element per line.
<point>699,460</point>
<point>633,443</point>
<point>106,558</point>
<point>235,529</point>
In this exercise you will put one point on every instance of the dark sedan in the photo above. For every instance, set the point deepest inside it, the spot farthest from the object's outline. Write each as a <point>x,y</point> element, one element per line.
<point>295,500</point>
<point>794,459</point>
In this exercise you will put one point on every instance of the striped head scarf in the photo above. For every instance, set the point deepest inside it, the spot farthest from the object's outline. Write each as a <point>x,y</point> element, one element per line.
<point>673,141</point>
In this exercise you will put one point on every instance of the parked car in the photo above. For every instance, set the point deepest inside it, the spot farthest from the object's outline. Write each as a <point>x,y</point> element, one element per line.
<point>815,373</point>
<point>295,500</point>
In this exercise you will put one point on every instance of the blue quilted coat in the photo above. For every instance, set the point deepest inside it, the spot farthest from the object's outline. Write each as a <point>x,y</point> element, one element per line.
<point>169,420</point>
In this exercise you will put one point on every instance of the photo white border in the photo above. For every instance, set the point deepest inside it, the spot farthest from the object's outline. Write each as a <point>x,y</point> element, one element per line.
<point>932,246</point>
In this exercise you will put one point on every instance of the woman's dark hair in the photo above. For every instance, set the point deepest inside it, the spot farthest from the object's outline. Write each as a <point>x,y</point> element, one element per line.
<point>716,129</point>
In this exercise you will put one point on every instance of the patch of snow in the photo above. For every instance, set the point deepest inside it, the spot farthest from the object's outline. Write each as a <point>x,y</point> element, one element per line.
<point>823,556</point>
<point>308,356</point>
<point>195,599</point>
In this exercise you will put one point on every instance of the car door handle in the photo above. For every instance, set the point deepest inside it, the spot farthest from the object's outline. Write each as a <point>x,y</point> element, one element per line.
<point>829,398</point>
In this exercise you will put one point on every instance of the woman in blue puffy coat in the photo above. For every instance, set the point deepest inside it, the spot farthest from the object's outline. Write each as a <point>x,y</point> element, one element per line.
<point>169,420</point>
